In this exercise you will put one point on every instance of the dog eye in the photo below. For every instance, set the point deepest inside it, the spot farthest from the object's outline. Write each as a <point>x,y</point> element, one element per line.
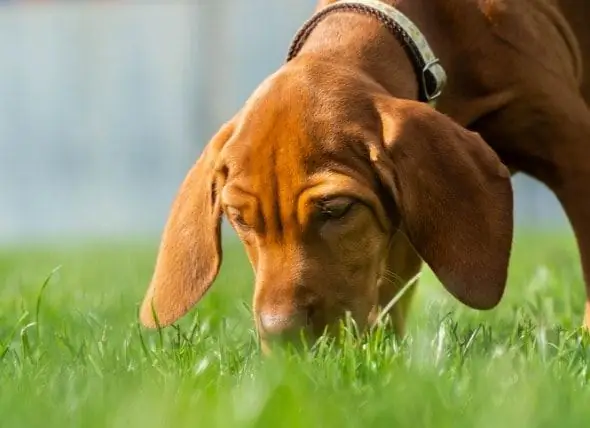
<point>236,217</point>
<point>335,209</point>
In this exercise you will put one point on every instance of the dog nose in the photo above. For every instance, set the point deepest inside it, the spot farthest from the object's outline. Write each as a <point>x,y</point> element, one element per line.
<point>275,325</point>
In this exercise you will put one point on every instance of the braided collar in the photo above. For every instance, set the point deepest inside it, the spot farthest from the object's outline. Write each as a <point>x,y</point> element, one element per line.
<point>431,75</point>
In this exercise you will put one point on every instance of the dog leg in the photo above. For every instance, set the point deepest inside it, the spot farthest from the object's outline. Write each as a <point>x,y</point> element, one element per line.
<point>570,181</point>
<point>548,138</point>
<point>566,171</point>
<point>573,192</point>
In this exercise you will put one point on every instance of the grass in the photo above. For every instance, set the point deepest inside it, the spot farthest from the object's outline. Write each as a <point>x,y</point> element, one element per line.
<point>72,354</point>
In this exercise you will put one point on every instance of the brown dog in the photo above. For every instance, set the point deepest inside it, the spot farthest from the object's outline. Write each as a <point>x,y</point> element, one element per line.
<point>338,178</point>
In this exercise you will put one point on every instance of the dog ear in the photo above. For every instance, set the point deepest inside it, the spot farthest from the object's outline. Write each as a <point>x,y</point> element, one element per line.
<point>190,252</point>
<point>454,197</point>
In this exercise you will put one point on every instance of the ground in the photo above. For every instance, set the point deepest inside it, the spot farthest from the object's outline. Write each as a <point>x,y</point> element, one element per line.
<point>72,353</point>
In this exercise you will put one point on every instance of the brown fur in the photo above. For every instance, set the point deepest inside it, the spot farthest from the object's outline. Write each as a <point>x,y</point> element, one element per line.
<point>339,126</point>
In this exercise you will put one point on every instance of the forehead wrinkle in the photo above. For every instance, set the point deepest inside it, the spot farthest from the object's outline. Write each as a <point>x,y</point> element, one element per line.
<point>270,164</point>
<point>286,134</point>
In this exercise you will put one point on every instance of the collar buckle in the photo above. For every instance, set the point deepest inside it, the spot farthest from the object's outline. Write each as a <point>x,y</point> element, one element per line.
<point>432,91</point>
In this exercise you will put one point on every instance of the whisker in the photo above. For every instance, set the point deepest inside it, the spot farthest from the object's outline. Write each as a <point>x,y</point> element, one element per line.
<point>393,277</point>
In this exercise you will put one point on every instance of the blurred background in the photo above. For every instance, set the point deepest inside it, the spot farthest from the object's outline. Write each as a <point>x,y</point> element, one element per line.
<point>104,105</point>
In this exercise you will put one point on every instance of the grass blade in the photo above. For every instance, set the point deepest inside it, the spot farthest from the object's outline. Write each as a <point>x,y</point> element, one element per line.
<point>40,297</point>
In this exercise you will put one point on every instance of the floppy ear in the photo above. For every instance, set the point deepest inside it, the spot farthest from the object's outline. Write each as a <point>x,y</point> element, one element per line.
<point>190,254</point>
<point>454,196</point>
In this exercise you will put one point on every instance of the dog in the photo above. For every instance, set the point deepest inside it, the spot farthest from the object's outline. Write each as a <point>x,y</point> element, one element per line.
<point>387,140</point>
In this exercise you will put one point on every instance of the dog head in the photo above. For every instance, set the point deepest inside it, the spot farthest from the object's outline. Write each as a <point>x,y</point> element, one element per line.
<point>316,174</point>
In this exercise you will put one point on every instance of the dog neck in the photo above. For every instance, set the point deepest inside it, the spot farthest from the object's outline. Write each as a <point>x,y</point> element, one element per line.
<point>350,39</point>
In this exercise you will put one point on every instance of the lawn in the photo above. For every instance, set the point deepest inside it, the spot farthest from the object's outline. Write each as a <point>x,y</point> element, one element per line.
<point>74,355</point>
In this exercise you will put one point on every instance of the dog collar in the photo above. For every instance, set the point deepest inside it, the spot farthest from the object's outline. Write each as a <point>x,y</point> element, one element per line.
<point>431,75</point>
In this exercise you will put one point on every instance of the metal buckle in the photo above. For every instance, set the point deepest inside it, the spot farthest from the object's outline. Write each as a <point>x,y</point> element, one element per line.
<point>439,84</point>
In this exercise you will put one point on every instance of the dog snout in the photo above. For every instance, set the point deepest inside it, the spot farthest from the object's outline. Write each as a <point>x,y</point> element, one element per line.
<point>283,325</point>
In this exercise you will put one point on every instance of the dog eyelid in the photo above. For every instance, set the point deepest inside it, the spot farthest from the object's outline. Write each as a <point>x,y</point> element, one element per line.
<point>335,208</point>
<point>235,215</point>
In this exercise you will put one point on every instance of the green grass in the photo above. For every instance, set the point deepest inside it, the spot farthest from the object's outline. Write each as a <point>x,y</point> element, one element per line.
<point>74,355</point>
